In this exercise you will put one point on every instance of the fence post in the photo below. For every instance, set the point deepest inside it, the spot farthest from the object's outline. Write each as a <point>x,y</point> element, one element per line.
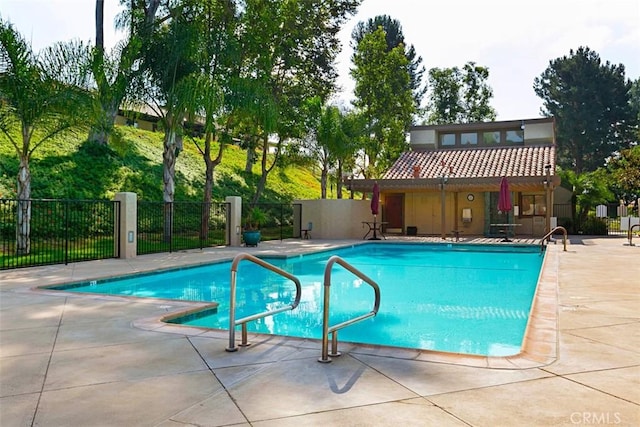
<point>128,225</point>
<point>234,220</point>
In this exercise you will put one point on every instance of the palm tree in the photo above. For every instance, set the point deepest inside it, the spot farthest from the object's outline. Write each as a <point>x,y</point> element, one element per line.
<point>114,71</point>
<point>38,104</point>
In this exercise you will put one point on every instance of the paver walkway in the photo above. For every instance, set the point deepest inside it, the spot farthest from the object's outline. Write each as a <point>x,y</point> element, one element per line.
<point>70,360</point>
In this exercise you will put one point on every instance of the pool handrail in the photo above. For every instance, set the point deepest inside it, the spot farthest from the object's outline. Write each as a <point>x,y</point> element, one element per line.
<point>630,233</point>
<point>549,234</point>
<point>232,303</point>
<point>333,330</point>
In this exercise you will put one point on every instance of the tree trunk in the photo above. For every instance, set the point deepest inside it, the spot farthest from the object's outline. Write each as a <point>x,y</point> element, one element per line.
<point>264,169</point>
<point>206,208</point>
<point>101,130</point>
<point>168,179</point>
<point>251,157</point>
<point>23,224</point>
<point>259,189</point>
<point>169,165</point>
<point>323,182</point>
<point>100,24</point>
<point>339,180</point>
<point>210,166</point>
<point>97,132</point>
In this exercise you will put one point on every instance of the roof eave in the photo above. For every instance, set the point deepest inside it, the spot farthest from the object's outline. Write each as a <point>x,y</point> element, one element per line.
<point>452,184</point>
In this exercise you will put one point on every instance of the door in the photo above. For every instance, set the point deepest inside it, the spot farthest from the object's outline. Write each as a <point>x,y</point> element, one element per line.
<point>394,211</point>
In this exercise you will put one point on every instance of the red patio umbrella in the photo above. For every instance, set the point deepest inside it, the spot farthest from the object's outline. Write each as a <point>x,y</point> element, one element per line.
<point>504,199</point>
<point>375,199</point>
<point>375,205</point>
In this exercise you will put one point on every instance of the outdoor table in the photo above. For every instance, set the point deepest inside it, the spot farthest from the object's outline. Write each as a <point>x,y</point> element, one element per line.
<point>505,230</point>
<point>375,227</point>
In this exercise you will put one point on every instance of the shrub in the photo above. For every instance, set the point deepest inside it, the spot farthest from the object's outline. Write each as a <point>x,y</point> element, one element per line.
<point>594,226</point>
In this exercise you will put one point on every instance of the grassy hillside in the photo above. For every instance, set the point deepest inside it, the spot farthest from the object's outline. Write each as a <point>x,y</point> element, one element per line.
<point>68,167</point>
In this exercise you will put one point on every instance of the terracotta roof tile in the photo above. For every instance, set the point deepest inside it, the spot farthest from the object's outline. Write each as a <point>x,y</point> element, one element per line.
<point>475,163</point>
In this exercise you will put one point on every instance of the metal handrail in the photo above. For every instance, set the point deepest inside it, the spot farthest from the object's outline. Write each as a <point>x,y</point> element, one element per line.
<point>564,237</point>
<point>631,233</point>
<point>232,304</point>
<point>333,330</point>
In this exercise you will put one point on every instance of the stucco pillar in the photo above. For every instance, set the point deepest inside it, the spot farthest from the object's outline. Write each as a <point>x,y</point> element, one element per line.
<point>235,220</point>
<point>128,226</point>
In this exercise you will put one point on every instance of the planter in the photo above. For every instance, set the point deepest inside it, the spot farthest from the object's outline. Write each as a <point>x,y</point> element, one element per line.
<point>251,238</point>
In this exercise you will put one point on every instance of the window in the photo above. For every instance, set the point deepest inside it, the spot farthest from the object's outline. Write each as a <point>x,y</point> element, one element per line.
<point>447,139</point>
<point>533,205</point>
<point>491,137</point>
<point>469,138</point>
<point>515,137</point>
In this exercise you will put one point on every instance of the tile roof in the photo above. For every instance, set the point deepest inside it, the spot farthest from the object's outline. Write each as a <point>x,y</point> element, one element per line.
<point>528,161</point>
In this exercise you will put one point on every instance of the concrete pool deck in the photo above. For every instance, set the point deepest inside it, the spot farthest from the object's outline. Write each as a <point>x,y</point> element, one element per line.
<point>89,360</point>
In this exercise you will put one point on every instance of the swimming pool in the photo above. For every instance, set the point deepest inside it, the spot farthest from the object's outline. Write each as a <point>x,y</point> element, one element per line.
<point>472,299</point>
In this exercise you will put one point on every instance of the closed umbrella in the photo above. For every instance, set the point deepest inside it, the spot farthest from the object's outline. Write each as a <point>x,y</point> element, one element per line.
<point>375,205</point>
<point>504,204</point>
<point>504,199</point>
<point>375,199</point>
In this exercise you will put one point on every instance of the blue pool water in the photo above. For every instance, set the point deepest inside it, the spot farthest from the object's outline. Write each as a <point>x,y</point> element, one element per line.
<point>472,299</point>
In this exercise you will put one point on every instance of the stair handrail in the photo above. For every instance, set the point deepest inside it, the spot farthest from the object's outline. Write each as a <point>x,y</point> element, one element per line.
<point>631,233</point>
<point>232,298</point>
<point>549,234</point>
<point>333,330</point>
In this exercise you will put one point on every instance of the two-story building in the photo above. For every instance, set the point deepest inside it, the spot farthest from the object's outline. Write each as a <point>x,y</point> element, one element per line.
<point>449,179</point>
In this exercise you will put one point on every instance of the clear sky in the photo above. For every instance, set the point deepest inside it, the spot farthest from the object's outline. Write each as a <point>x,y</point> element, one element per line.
<point>515,39</point>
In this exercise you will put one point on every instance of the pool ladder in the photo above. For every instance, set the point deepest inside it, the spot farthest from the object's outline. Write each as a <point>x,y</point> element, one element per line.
<point>326,329</point>
<point>630,234</point>
<point>549,234</point>
<point>333,330</point>
<point>232,304</point>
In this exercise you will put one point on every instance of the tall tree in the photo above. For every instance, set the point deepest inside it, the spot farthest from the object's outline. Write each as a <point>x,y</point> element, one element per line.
<point>459,95</point>
<point>289,49</point>
<point>40,101</point>
<point>114,71</point>
<point>326,137</point>
<point>445,104</point>
<point>353,130</point>
<point>395,38</point>
<point>624,170</point>
<point>634,101</point>
<point>589,190</point>
<point>590,101</point>
<point>170,63</point>
<point>384,99</point>
<point>214,85</point>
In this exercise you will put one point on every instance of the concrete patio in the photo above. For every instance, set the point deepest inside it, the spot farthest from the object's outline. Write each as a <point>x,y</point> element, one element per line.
<point>86,360</point>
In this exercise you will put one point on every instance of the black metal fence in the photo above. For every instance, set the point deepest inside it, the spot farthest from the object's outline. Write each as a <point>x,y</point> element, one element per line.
<point>280,220</point>
<point>601,220</point>
<point>41,232</point>
<point>170,227</point>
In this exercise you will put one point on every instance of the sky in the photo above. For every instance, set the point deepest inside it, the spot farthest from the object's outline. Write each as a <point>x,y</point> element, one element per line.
<point>514,39</point>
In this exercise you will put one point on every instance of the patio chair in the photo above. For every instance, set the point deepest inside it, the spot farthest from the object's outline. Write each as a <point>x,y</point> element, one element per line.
<point>305,231</point>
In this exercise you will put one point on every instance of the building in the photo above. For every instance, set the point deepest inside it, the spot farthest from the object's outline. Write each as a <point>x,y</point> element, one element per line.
<point>448,181</point>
